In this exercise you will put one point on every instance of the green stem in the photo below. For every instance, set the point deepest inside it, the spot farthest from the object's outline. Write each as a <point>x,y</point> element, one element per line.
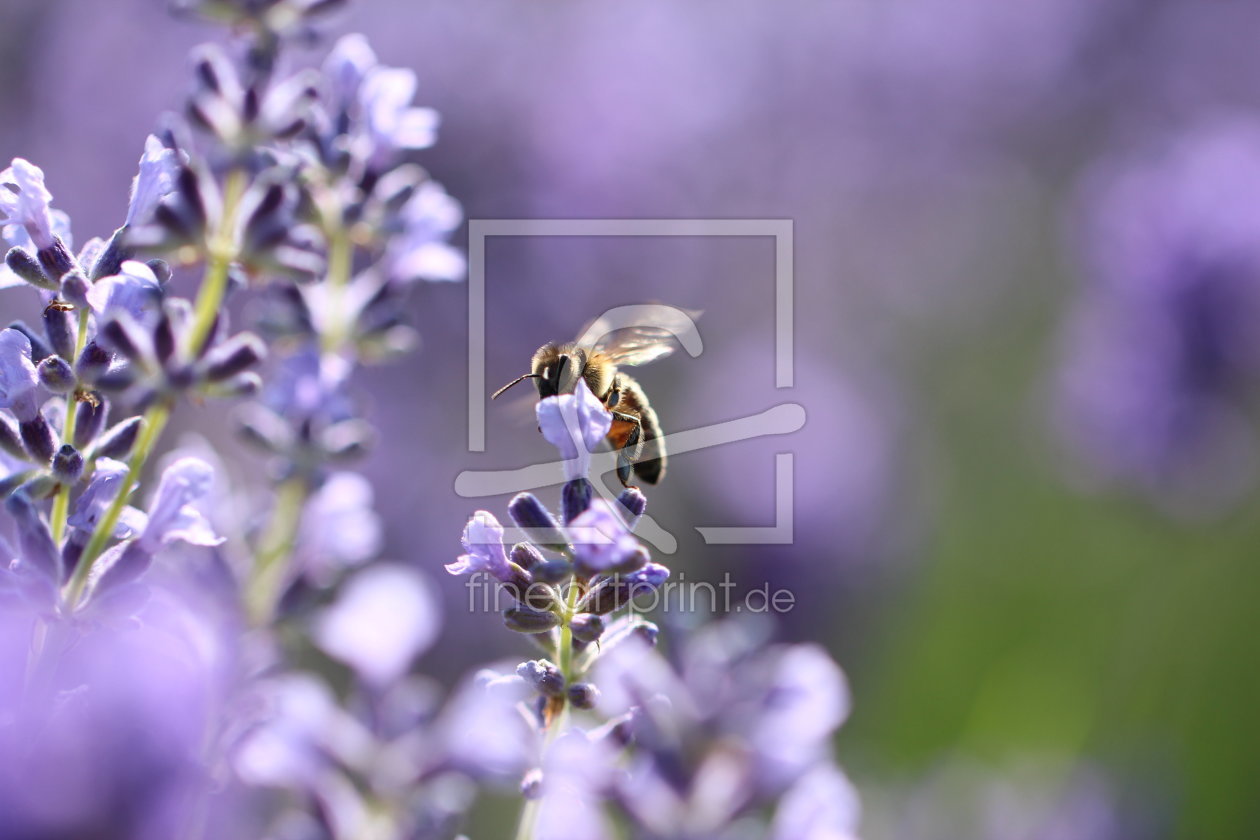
<point>222,248</point>
<point>340,265</point>
<point>277,542</point>
<point>275,547</point>
<point>564,653</point>
<point>61,503</point>
<point>154,421</point>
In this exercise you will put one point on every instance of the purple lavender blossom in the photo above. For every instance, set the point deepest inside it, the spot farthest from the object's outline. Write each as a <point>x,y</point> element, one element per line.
<point>156,180</point>
<point>601,541</point>
<point>421,251</point>
<point>393,124</point>
<point>26,203</point>
<point>347,65</point>
<point>108,739</point>
<point>822,805</point>
<point>135,291</point>
<point>575,774</point>
<point>339,529</point>
<point>575,424</point>
<point>383,618</point>
<point>762,717</point>
<point>1161,348</point>
<point>100,491</point>
<point>483,548</point>
<point>172,515</point>
<point>19,383</point>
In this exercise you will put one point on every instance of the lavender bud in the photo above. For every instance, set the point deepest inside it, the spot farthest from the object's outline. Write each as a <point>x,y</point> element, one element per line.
<point>543,676</point>
<point>647,631</point>
<point>347,439</point>
<point>527,512</point>
<point>525,619</point>
<point>634,503</point>
<point>180,377</point>
<point>531,784</point>
<point>93,362</point>
<point>242,385</point>
<point>60,328</point>
<point>124,336</point>
<point>10,442</point>
<point>264,429</point>
<point>612,593</point>
<point>67,464</point>
<point>164,338</point>
<point>575,497</point>
<point>109,261</point>
<point>553,572</point>
<point>21,263</point>
<point>583,695</point>
<point>118,441</point>
<point>161,270</point>
<point>236,355</point>
<point>56,259</point>
<point>38,438</point>
<point>117,379</point>
<point>587,627</point>
<point>56,375</point>
<point>633,561</point>
<point>90,418</point>
<point>526,556</point>
<point>74,289</point>
<point>519,583</point>
<point>212,68</point>
<point>76,541</point>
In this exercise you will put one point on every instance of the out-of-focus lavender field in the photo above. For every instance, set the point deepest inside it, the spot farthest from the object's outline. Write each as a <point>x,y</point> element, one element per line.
<point>1027,289</point>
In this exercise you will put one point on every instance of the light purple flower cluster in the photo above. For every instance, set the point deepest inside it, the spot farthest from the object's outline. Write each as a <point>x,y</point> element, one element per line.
<point>1161,350</point>
<point>737,744</point>
<point>187,655</point>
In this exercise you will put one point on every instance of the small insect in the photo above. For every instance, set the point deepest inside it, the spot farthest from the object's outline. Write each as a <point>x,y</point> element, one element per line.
<point>597,356</point>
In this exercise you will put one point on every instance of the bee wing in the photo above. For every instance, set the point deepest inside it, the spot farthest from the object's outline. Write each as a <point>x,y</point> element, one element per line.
<point>642,333</point>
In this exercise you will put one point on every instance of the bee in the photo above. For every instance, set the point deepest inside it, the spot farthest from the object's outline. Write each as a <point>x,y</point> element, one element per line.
<point>597,357</point>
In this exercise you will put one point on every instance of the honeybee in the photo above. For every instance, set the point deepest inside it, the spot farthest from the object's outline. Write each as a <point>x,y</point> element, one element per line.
<point>597,356</point>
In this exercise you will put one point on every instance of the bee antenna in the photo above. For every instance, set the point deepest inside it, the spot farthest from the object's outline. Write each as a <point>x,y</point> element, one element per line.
<point>495,395</point>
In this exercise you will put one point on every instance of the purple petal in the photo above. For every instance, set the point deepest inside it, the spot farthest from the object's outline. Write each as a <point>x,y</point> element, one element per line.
<point>574,423</point>
<point>385,616</point>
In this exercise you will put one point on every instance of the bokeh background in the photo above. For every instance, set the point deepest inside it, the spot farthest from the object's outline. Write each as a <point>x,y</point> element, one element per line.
<point>1024,519</point>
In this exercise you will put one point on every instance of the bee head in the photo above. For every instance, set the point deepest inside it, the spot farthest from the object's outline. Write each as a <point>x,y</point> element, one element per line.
<point>558,372</point>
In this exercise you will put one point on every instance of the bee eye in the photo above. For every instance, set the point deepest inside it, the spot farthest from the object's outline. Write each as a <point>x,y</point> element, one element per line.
<point>614,397</point>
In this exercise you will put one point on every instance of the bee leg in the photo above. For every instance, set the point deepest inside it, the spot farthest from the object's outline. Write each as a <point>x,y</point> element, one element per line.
<point>629,452</point>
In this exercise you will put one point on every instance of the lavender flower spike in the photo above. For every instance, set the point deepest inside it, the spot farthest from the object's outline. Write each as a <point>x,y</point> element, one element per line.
<point>172,516</point>
<point>483,542</point>
<point>19,382</point>
<point>574,423</point>
<point>156,179</point>
<point>25,201</point>
<point>601,542</point>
